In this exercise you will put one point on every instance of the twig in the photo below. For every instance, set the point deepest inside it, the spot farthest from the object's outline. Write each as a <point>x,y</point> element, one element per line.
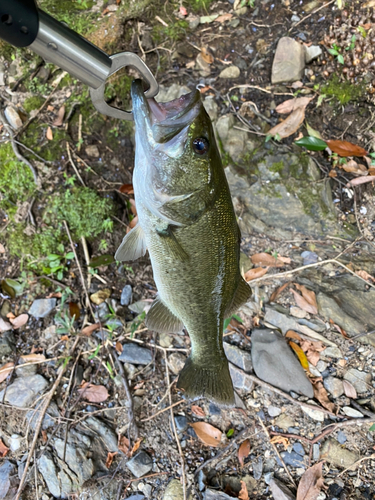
<point>30,151</point>
<point>89,276</point>
<point>39,424</point>
<point>73,165</point>
<point>256,87</point>
<point>311,14</point>
<point>80,268</point>
<point>175,430</point>
<point>163,410</point>
<point>362,410</point>
<point>36,478</point>
<point>276,451</point>
<point>79,132</point>
<point>132,423</point>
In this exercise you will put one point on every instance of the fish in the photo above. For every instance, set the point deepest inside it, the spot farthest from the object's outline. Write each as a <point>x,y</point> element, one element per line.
<point>187,222</point>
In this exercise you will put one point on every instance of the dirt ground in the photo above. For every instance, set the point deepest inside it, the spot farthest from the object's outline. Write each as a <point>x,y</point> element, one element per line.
<point>161,33</point>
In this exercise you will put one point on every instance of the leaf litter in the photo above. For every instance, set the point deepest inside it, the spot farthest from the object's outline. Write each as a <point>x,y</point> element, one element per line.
<point>311,483</point>
<point>243,451</point>
<point>207,433</point>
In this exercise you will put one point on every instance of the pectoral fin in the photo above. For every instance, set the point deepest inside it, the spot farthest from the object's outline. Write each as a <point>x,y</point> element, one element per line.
<point>161,319</point>
<point>133,245</point>
<point>242,295</point>
<point>174,246</point>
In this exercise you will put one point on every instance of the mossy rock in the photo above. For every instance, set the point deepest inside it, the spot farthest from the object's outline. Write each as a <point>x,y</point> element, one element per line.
<point>342,90</point>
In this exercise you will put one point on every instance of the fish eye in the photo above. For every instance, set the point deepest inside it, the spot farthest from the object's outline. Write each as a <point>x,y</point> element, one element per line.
<point>200,145</point>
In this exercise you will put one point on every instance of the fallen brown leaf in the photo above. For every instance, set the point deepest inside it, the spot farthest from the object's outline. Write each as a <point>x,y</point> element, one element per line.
<point>197,410</point>
<point>19,321</point>
<point>309,297</point>
<point>243,451</point>
<point>332,173</point>
<point>88,330</point>
<point>223,18</point>
<point>278,291</point>
<point>136,446</point>
<point>207,433</point>
<point>265,259</point>
<point>124,444</point>
<point>345,148</point>
<point>301,355</point>
<point>312,350</point>
<point>293,104</point>
<point>56,295</point>
<point>243,494</point>
<point>33,357</point>
<point>290,125</point>
<point>10,315</point>
<point>44,436</point>
<point>74,310</point>
<point>3,449</point>
<point>49,134</point>
<point>94,393</point>
<point>280,440</point>
<point>127,189</point>
<point>206,56</point>
<point>60,117</point>
<point>110,457</point>
<point>311,483</point>
<point>255,273</point>
<point>349,390</point>
<point>290,334</point>
<point>360,180</point>
<point>354,168</point>
<point>364,275</point>
<point>119,347</point>
<point>5,370</point>
<point>339,329</point>
<point>321,394</point>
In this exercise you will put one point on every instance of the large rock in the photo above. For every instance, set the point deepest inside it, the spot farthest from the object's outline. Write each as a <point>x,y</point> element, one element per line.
<point>24,391</point>
<point>277,193</point>
<point>275,363</point>
<point>237,144</point>
<point>289,61</point>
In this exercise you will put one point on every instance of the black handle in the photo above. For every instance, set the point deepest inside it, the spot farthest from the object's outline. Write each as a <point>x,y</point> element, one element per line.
<point>19,21</point>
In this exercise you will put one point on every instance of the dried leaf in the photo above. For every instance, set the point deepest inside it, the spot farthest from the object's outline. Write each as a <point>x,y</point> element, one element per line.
<point>197,410</point>
<point>312,350</point>
<point>243,451</point>
<point>33,358</point>
<point>56,295</point>
<point>243,494</point>
<point>21,320</point>
<point>119,347</point>
<point>5,370</point>
<point>345,148</point>
<point>308,300</point>
<point>365,275</point>
<point>339,329</point>
<point>354,168</point>
<point>360,180</point>
<point>10,315</point>
<point>293,104</point>
<point>255,273</point>
<point>206,56</point>
<point>332,173</point>
<point>88,330</point>
<point>124,444</point>
<point>49,134</point>
<point>290,125</point>
<point>311,483</point>
<point>74,310</point>
<point>265,259</point>
<point>280,440</point>
<point>349,390</point>
<point>301,355</point>
<point>2,248</point>
<point>60,117</point>
<point>110,458</point>
<point>136,445</point>
<point>312,132</point>
<point>280,491</point>
<point>127,189</point>
<point>290,334</point>
<point>223,18</point>
<point>3,449</point>
<point>44,436</point>
<point>94,393</point>
<point>321,394</point>
<point>278,291</point>
<point>207,433</point>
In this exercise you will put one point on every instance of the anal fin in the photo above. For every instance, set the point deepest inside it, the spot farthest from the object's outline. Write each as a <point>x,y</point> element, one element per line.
<point>161,319</point>
<point>242,295</point>
<point>133,245</point>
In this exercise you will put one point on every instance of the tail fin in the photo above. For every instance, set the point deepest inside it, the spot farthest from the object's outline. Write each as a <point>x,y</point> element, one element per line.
<point>214,384</point>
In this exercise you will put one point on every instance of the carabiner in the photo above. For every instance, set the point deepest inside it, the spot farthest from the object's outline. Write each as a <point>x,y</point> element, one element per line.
<point>122,60</point>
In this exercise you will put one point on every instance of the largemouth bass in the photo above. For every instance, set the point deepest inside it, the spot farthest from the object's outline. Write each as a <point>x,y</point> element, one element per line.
<point>187,223</point>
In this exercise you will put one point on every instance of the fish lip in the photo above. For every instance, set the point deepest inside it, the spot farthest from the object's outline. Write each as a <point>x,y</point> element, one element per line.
<point>167,119</point>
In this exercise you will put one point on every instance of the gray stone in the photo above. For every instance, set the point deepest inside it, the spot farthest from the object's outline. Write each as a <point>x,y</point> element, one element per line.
<point>314,414</point>
<point>309,257</point>
<point>285,422</point>
<point>15,442</point>
<point>257,468</point>
<point>102,312</point>
<point>230,72</point>
<point>176,362</point>
<point>92,151</point>
<point>181,423</point>
<point>334,453</point>
<point>13,117</point>
<point>223,125</point>
<point>140,465</point>
<point>238,357</point>
<point>275,363</point>
<point>133,353</point>
<point>49,419</point>
<point>293,459</point>
<point>277,194</point>
<point>312,52</point>
<point>332,352</point>
<point>174,491</point>
<point>108,437</point>
<point>175,91</point>
<point>273,411</point>
<point>202,65</point>
<point>210,105</point>
<point>216,495</point>
<point>298,448</point>
<point>77,461</point>
<point>351,412</point>
<point>7,343</point>
<point>316,452</point>
<point>334,386</point>
<point>289,61</point>
<point>126,295</point>
<point>240,379</point>
<point>137,496</point>
<point>280,491</point>
<point>25,371</point>
<point>193,21</point>
<point>42,307</point>
<point>165,340</point>
<point>341,437</point>
<point>296,312</point>
<point>6,469</point>
<point>24,391</point>
<point>48,470</point>
<point>360,380</point>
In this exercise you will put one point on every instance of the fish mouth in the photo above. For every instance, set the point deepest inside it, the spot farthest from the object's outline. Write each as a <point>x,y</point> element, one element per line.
<point>163,121</point>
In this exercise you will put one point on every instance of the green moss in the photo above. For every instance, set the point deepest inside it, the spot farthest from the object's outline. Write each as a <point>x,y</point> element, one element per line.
<point>343,91</point>
<point>173,32</point>
<point>31,103</point>
<point>86,213</point>
<point>277,167</point>
<point>35,138</point>
<point>16,180</point>
<point>199,5</point>
<point>75,13</point>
